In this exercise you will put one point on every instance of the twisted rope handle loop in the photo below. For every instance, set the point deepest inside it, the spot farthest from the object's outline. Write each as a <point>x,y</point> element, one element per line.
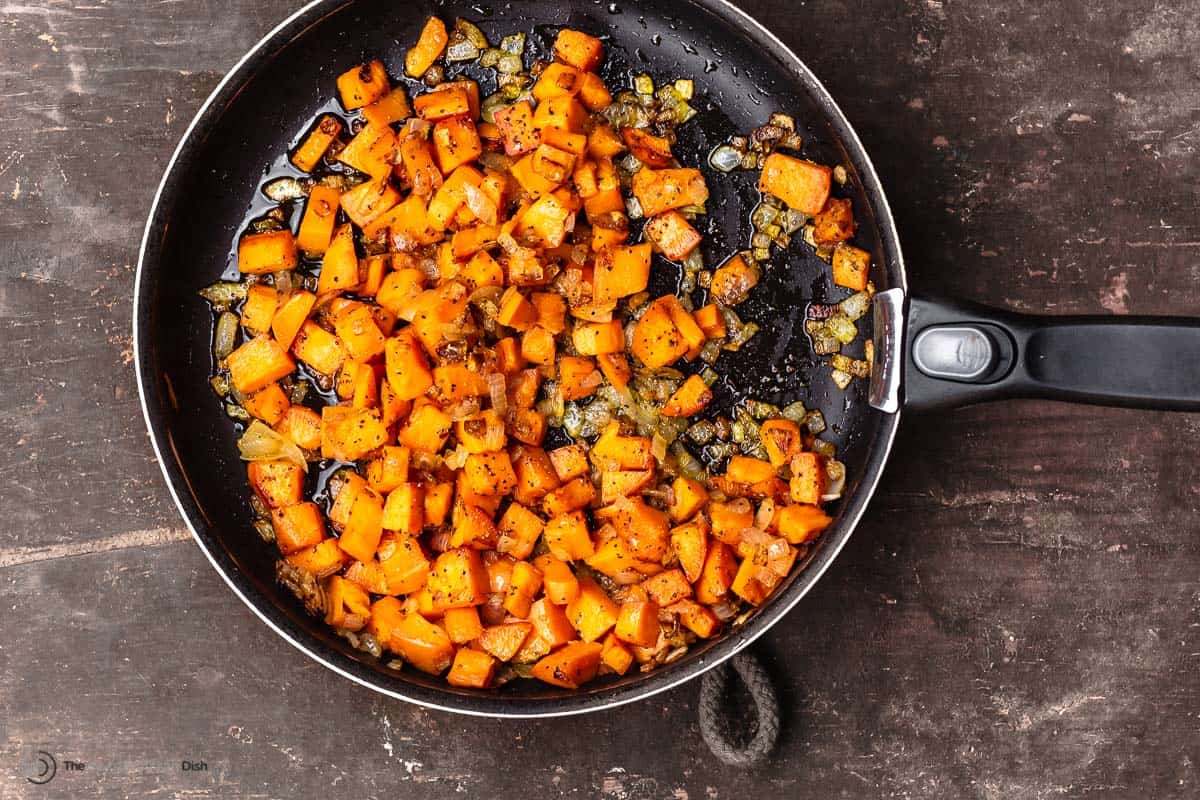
<point>715,719</point>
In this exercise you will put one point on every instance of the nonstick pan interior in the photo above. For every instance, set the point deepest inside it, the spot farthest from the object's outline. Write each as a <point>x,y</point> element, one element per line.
<point>741,76</point>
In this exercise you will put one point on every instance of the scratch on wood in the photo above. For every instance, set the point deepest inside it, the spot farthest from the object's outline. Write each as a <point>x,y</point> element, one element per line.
<point>155,537</point>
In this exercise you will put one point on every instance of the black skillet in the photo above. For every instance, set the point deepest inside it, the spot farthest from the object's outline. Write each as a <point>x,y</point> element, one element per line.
<point>927,353</point>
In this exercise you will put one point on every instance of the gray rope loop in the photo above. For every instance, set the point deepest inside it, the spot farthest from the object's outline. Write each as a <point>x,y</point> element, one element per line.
<point>715,724</point>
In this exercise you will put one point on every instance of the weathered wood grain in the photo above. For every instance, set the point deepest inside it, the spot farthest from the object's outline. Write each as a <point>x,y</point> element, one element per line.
<point>1016,617</point>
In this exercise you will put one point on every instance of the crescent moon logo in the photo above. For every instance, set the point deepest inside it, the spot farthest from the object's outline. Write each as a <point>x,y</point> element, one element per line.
<point>46,766</point>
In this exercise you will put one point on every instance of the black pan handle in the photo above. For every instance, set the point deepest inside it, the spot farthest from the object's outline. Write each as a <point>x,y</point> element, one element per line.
<point>957,353</point>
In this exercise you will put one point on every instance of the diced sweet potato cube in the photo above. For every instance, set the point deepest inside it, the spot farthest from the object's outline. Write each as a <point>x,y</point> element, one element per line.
<point>558,580</point>
<point>808,479</point>
<point>458,579</point>
<point>490,473</point>
<point>560,112</point>
<point>277,483</point>
<point>593,613</point>
<point>801,184</point>
<point>455,142</point>
<point>711,321</point>
<point>570,461</point>
<point>637,622</point>
<point>472,669</point>
<point>571,496</point>
<point>835,223</point>
<point>298,526</point>
<point>580,50</point>
<point>389,108</point>
<point>673,235</point>
<point>699,619</point>
<point>519,530</point>
<point>612,450</point>
<point>615,368</point>
<point>657,342</point>
<point>733,280</point>
<point>688,496</point>
<point>616,655</point>
<point>690,398</point>
<point>535,474</point>
<point>371,150</point>
<point>273,251</point>
<point>259,308</point>
<point>653,151</point>
<point>802,523</point>
<point>422,643</point>
<point>616,483</point>
<point>257,364</point>
<point>504,640</point>
<point>268,404</point>
<point>720,565</point>
<point>599,338</point>
<point>570,667</point>
<point>404,510</point>
<point>567,536</point>
<point>312,149</point>
<point>659,190</point>
<point>404,563</point>
<point>462,624</point>
<point>363,85</point>
<point>851,267</point>
<point>428,49</point>
<point>614,558</point>
<point>689,542</point>
<point>361,534</point>
<point>620,272</point>
<point>322,559</point>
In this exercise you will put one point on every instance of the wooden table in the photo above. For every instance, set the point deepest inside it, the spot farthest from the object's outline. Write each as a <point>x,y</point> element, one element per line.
<point>1017,616</point>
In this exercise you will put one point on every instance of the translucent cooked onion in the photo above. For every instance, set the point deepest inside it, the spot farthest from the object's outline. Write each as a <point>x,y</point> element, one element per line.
<point>260,443</point>
<point>222,294</point>
<point>466,408</point>
<point>458,458</point>
<point>835,473</point>
<point>480,204</point>
<point>462,51</point>
<point>725,158</point>
<point>283,189</point>
<point>765,514</point>
<point>497,392</point>
<point>856,305</point>
<point>658,446</point>
<point>725,610</point>
<point>225,335</point>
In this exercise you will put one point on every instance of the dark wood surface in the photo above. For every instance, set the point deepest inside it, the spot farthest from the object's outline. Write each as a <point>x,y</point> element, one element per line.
<point>1016,617</point>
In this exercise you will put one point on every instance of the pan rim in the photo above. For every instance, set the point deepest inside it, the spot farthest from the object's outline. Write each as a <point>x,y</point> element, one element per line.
<point>651,683</point>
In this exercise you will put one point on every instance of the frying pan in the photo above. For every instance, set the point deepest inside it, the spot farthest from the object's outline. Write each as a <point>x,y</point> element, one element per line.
<point>927,353</point>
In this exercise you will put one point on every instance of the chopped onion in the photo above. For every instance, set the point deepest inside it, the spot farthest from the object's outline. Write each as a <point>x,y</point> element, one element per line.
<point>725,159</point>
<point>856,305</point>
<point>480,204</point>
<point>835,473</point>
<point>260,443</point>
<point>225,335</point>
<point>514,44</point>
<point>497,392</point>
<point>222,294</point>
<point>765,514</point>
<point>658,447</point>
<point>440,541</point>
<point>725,610</point>
<point>283,189</point>
<point>462,51</point>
